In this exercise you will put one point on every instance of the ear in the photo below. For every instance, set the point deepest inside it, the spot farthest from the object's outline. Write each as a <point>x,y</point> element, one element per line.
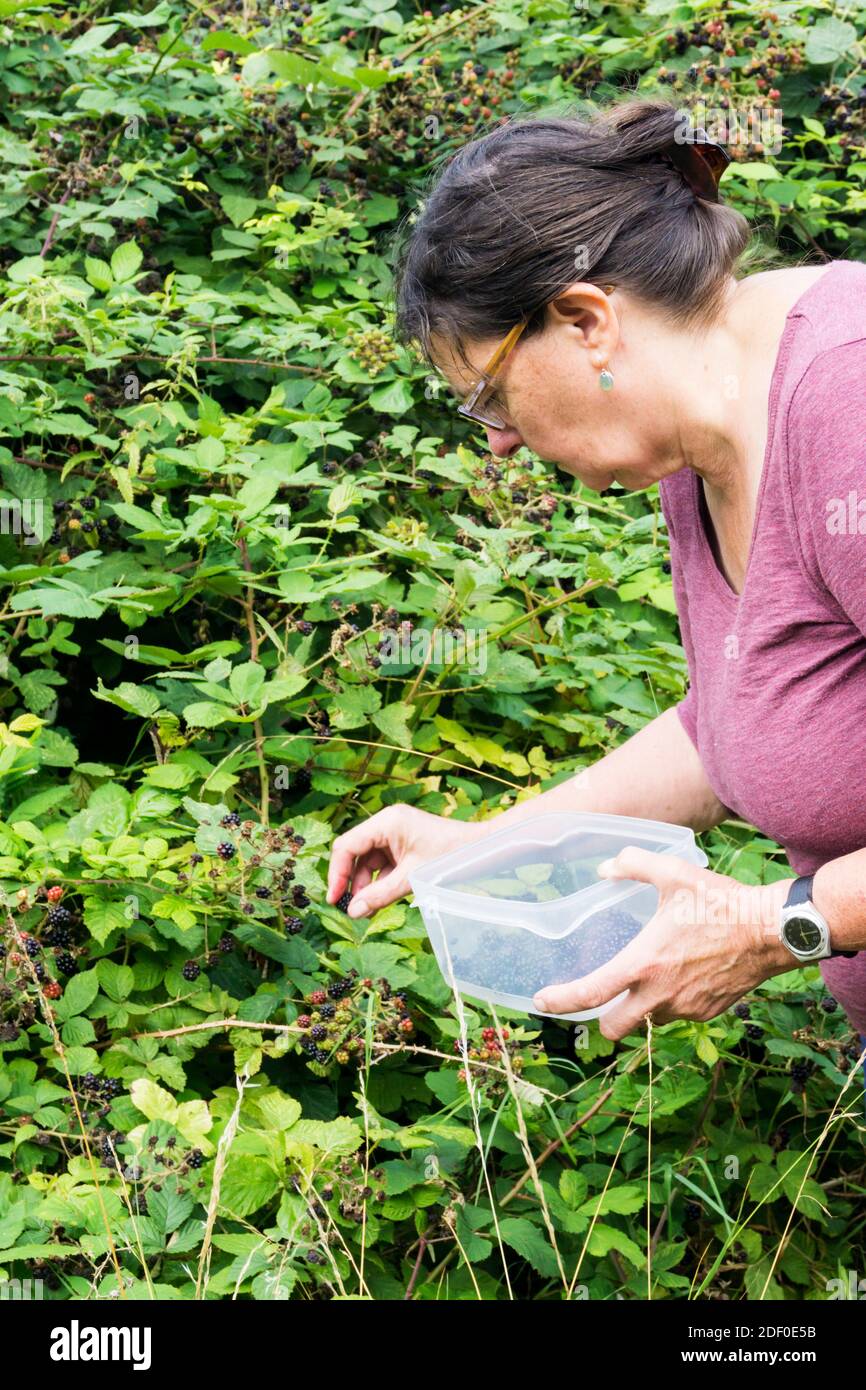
<point>586,309</point>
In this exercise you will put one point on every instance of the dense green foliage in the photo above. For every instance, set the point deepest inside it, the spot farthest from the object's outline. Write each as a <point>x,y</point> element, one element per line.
<point>231,485</point>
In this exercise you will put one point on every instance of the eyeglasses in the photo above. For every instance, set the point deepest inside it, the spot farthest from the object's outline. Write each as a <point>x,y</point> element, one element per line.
<point>701,162</point>
<point>474,406</point>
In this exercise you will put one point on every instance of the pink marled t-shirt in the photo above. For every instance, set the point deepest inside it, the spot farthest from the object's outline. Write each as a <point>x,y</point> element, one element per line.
<point>777,700</point>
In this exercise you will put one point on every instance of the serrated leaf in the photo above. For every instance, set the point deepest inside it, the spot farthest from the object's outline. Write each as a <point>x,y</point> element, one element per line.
<point>125,261</point>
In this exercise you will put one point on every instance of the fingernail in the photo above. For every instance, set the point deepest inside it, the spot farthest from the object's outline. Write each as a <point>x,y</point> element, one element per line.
<point>358,906</point>
<point>540,1002</point>
<point>605,867</point>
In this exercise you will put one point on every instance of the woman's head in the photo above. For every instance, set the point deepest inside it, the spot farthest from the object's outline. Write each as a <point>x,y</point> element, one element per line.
<point>527,223</point>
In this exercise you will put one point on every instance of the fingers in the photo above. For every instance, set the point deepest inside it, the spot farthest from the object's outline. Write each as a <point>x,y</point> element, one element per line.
<point>629,1017</point>
<point>663,871</point>
<point>376,833</point>
<point>386,889</point>
<point>365,870</point>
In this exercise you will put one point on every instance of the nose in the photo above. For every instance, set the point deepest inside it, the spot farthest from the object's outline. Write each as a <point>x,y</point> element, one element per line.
<point>503,443</point>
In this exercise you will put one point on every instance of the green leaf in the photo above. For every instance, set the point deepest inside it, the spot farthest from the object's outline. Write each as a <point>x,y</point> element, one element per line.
<point>238,209</point>
<point>245,683</point>
<point>78,994</point>
<point>135,699</point>
<point>102,916</point>
<point>125,261</point>
<point>340,1136</point>
<point>531,1243</point>
<point>395,398</point>
<point>152,1100</point>
<point>118,981</point>
<point>98,273</point>
<point>392,721</point>
<point>249,1182</point>
<point>829,39</point>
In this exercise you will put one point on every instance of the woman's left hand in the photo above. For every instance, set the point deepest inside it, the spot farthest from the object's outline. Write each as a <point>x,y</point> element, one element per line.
<point>711,940</point>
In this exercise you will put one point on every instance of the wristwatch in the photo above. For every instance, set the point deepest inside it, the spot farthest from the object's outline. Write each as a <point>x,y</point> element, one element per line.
<point>803,929</point>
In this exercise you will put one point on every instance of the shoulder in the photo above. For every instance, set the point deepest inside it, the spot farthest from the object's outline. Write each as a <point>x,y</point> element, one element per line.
<point>825,420</point>
<point>824,458</point>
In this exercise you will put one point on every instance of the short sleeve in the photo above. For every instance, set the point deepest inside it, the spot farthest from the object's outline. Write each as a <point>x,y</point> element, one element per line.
<point>826,463</point>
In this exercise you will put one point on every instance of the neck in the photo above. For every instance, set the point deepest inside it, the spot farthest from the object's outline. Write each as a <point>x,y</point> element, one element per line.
<point>719,376</point>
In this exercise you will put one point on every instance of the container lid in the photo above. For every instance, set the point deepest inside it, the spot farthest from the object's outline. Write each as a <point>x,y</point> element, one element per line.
<point>541,873</point>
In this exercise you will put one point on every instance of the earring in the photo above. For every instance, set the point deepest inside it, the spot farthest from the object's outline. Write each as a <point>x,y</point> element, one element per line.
<point>605,379</point>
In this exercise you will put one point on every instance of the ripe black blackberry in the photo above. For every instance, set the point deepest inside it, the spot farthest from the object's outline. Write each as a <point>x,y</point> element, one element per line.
<point>692,1212</point>
<point>263,891</point>
<point>829,1004</point>
<point>58,936</point>
<point>195,1158</point>
<point>231,821</point>
<point>340,988</point>
<point>742,1010</point>
<point>59,916</point>
<point>226,943</point>
<point>294,925</point>
<point>226,850</point>
<point>299,896</point>
<point>32,947</point>
<point>801,1070</point>
<point>754,1031</point>
<point>65,963</point>
<point>318,1032</point>
<point>302,780</point>
<point>39,970</point>
<point>322,1057</point>
<point>327,1010</point>
<point>343,901</point>
<point>191,970</point>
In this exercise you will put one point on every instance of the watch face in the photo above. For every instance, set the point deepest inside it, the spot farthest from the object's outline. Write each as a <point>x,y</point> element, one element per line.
<point>802,934</point>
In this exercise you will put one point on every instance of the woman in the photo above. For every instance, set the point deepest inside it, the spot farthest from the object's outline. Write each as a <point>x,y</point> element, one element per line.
<point>643,358</point>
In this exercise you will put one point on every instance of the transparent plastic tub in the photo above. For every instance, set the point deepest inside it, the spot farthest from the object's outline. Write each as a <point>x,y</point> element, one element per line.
<point>524,907</point>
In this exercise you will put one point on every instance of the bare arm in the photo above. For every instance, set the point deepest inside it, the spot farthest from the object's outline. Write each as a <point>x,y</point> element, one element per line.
<point>656,774</point>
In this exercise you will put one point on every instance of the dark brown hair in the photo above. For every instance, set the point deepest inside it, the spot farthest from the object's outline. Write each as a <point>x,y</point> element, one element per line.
<point>497,234</point>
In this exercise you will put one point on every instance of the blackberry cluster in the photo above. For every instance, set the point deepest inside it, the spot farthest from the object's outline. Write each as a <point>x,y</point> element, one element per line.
<point>520,963</point>
<point>340,988</point>
<point>314,1052</point>
<point>191,970</point>
<point>102,1088</point>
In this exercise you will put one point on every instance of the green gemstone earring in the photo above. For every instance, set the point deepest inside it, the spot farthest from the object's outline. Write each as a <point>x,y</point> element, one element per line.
<point>605,379</point>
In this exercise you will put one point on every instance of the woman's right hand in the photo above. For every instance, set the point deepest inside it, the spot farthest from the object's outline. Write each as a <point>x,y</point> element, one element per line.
<point>394,841</point>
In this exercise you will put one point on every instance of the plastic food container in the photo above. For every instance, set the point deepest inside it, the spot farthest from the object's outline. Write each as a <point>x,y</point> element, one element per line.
<point>524,907</point>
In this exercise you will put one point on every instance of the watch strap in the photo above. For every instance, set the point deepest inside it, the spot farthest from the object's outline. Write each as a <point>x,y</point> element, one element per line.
<point>801,892</point>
